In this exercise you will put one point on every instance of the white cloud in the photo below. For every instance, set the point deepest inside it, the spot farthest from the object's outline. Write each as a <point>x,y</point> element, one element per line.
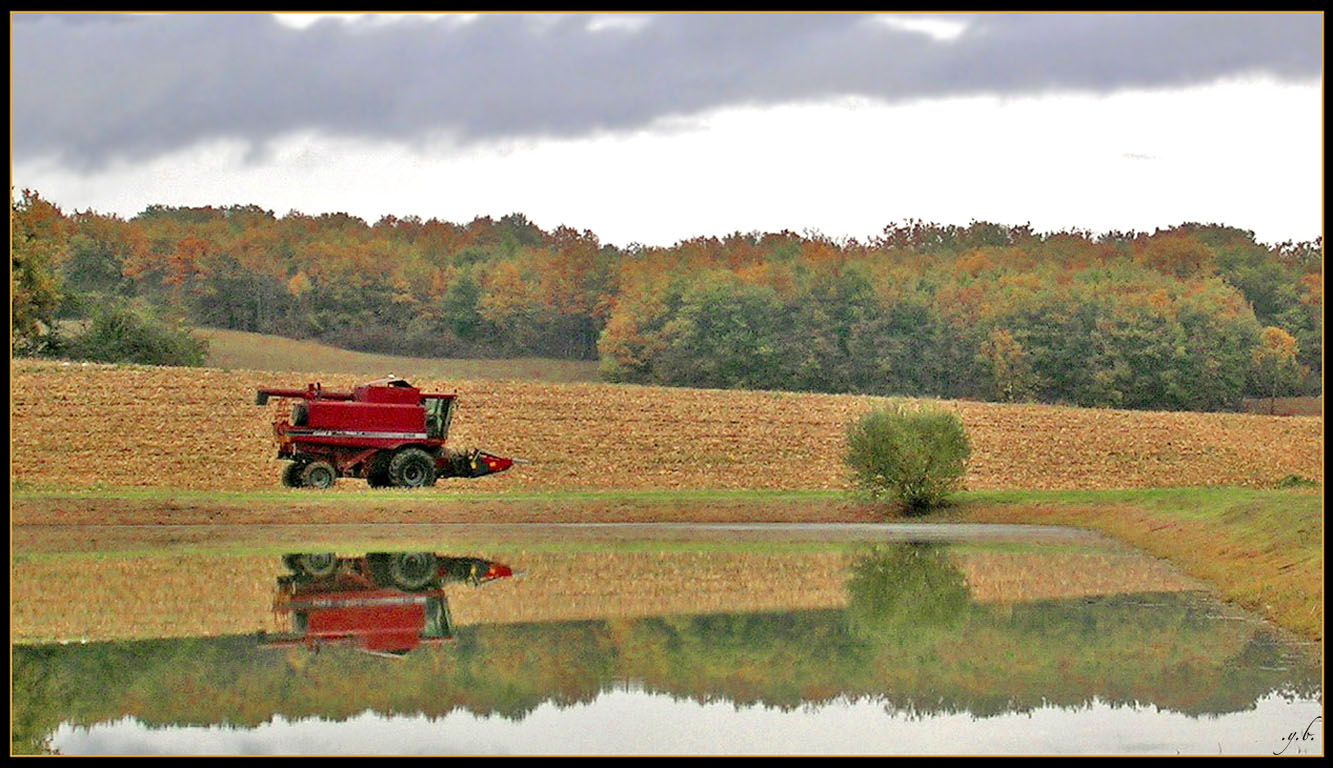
<point>844,167</point>
<point>306,20</point>
<point>617,23</point>
<point>939,29</point>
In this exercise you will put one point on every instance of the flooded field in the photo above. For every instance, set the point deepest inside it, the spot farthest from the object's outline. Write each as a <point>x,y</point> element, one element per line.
<point>638,639</point>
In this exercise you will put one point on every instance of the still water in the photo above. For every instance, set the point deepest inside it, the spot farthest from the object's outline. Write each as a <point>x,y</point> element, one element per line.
<point>732,644</point>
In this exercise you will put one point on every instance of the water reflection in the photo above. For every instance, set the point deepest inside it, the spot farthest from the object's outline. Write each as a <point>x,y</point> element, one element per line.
<point>902,633</point>
<point>905,588</point>
<point>382,603</point>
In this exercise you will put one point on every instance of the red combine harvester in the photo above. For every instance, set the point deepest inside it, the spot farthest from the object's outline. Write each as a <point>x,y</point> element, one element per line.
<point>382,603</point>
<point>388,432</point>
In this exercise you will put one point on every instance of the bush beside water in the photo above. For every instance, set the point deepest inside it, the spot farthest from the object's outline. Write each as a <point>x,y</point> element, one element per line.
<point>913,456</point>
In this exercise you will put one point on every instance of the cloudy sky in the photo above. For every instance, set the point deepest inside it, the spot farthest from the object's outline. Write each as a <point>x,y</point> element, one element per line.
<point>655,128</point>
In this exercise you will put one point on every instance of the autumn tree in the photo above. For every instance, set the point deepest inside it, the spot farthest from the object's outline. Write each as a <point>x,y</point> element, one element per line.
<point>1276,370</point>
<point>1178,253</point>
<point>37,245</point>
<point>1010,378</point>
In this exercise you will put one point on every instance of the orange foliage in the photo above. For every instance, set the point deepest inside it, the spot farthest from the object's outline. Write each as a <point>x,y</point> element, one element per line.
<point>1177,253</point>
<point>972,264</point>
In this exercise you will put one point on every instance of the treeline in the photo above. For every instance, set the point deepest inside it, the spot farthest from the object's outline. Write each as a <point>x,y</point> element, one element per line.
<point>1191,318</point>
<point>1194,317</point>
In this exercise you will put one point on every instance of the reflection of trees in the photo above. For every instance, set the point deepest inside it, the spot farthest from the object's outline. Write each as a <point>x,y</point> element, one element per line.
<point>909,638</point>
<point>30,726</point>
<point>905,589</point>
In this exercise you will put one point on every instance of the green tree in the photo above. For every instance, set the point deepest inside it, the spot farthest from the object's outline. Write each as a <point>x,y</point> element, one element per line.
<point>914,456</point>
<point>1139,357</point>
<point>459,306</point>
<point>901,346</point>
<point>99,247</point>
<point>724,334</point>
<point>1220,333</point>
<point>133,332</point>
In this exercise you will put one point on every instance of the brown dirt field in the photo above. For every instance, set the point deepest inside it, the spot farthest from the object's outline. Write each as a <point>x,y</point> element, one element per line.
<point>85,425</point>
<point>1285,406</point>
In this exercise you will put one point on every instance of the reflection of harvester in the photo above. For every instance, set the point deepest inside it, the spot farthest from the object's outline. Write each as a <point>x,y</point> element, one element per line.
<point>388,432</point>
<point>382,603</point>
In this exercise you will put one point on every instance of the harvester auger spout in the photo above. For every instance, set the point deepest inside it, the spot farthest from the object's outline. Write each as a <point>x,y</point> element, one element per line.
<point>388,432</point>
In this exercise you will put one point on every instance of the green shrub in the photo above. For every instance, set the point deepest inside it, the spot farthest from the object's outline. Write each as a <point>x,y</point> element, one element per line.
<point>913,456</point>
<point>133,332</point>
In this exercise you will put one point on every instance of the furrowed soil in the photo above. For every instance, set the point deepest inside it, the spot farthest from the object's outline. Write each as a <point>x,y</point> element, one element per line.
<point>87,426</point>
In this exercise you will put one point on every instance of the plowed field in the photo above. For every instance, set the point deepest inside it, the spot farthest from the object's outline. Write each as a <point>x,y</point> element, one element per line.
<point>85,425</point>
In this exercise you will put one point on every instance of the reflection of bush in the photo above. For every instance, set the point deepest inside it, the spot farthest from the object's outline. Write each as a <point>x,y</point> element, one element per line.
<point>905,588</point>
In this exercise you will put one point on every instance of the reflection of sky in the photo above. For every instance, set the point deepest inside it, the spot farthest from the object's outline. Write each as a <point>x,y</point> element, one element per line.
<point>632,721</point>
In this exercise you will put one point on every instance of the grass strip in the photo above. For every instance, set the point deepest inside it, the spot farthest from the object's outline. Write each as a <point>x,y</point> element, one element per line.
<point>1262,549</point>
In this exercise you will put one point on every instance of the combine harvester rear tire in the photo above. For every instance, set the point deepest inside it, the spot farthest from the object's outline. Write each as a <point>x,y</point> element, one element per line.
<point>377,474</point>
<point>291,474</point>
<point>318,564</point>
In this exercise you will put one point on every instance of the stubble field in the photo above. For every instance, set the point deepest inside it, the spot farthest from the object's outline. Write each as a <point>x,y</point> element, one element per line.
<point>85,426</point>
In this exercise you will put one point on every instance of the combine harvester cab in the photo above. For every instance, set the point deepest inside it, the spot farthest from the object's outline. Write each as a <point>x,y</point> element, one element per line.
<point>388,432</point>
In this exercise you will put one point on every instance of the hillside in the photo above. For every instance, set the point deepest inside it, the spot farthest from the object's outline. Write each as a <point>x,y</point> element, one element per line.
<point>84,425</point>
<point>240,350</point>
<point>1195,317</point>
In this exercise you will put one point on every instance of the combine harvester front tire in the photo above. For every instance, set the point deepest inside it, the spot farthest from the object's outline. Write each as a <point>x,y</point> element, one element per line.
<point>412,468</point>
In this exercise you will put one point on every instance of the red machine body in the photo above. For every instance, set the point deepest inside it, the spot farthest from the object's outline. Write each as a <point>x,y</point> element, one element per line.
<point>378,622</point>
<point>380,603</point>
<point>388,432</point>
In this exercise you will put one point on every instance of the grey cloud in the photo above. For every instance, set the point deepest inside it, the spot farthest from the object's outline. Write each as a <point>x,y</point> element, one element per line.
<point>89,88</point>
